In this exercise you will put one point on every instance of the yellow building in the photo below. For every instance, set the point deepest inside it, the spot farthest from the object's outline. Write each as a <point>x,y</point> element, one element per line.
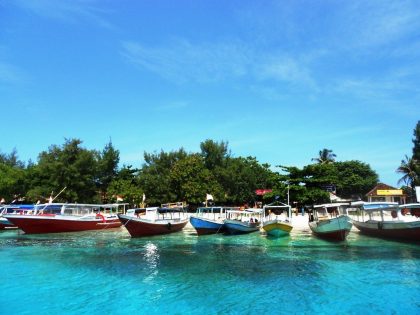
<point>385,193</point>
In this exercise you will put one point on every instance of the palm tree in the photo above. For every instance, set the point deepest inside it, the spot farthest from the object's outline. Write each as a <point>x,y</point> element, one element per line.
<point>408,168</point>
<point>325,156</point>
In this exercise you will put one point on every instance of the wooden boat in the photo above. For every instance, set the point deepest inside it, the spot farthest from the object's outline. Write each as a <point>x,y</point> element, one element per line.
<point>330,221</point>
<point>66,217</point>
<point>153,221</point>
<point>12,209</point>
<point>277,220</point>
<point>243,221</point>
<point>209,220</point>
<point>388,220</point>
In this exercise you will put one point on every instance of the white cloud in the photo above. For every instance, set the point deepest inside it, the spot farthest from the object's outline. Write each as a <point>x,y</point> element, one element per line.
<point>181,61</point>
<point>69,11</point>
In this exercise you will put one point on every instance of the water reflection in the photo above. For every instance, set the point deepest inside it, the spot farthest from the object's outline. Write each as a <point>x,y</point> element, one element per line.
<point>151,256</point>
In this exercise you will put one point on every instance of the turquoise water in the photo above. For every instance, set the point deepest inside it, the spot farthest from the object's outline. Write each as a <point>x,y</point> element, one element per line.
<point>107,272</point>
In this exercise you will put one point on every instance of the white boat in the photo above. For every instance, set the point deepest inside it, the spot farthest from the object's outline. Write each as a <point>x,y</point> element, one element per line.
<point>388,220</point>
<point>330,221</point>
<point>277,219</point>
<point>243,221</point>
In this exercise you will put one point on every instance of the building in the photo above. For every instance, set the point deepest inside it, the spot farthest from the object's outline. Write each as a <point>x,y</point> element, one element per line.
<point>385,193</point>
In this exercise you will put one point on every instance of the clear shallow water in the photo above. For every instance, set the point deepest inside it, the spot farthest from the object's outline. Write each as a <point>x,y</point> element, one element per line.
<point>107,272</point>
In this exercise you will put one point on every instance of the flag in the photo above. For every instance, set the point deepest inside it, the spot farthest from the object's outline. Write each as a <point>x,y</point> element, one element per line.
<point>144,197</point>
<point>209,197</point>
<point>119,198</point>
<point>418,193</point>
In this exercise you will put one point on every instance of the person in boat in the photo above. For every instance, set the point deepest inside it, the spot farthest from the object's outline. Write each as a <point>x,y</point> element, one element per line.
<point>251,220</point>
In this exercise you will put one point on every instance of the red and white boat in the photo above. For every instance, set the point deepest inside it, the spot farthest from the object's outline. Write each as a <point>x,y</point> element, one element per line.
<point>66,217</point>
<point>12,209</point>
<point>153,221</point>
<point>388,220</point>
<point>330,221</point>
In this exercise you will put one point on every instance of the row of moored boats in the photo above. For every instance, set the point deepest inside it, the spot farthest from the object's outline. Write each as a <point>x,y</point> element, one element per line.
<point>331,221</point>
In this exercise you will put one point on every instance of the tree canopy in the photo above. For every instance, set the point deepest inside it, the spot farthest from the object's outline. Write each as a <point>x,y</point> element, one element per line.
<point>95,176</point>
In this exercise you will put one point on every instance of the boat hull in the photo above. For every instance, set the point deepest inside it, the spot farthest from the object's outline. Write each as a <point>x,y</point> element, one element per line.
<point>4,223</point>
<point>139,227</point>
<point>238,227</point>
<point>333,229</point>
<point>391,230</point>
<point>205,226</point>
<point>40,224</point>
<point>277,228</point>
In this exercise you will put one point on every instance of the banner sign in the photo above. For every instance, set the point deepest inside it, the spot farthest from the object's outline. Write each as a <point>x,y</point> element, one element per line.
<point>389,192</point>
<point>260,192</point>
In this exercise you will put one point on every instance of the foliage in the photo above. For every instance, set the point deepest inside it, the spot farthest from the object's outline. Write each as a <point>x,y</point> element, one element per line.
<point>214,153</point>
<point>351,179</point>
<point>154,176</point>
<point>410,166</point>
<point>69,166</point>
<point>93,176</point>
<point>12,182</point>
<point>325,156</point>
<point>107,167</point>
<point>191,180</point>
<point>408,169</point>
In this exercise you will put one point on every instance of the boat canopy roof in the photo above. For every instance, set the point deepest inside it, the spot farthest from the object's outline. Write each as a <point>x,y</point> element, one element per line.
<point>332,205</point>
<point>375,206</point>
<point>249,211</point>
<point>12,206</point>
<point>168,210</point>
<point>276,205</point>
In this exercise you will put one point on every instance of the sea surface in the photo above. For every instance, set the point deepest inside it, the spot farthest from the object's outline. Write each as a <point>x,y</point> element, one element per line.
<point>107,272</point>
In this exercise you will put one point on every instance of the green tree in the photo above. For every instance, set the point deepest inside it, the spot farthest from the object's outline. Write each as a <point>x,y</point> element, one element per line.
<point>154,176</point>
<point>354,179</point>
<point>126,184</point>
<point>214,153</point>
<point>191,180</point>
<point>107,170</point>
<point>242,176</point>
<point>12,182</point>
<point>325,156</point>
<point>408,169</point>
<point>11,159</point>
<point>68,166</point>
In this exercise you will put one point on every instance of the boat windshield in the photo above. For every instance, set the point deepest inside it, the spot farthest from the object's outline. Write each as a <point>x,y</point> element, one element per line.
<point>49,209</point>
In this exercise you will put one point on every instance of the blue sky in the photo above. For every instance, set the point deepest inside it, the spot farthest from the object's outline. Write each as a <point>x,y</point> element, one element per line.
<point>278,80</point>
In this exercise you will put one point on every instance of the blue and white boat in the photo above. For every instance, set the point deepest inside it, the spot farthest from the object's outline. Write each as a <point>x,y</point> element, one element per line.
<point>209,220</point>
<point>243,221</point>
